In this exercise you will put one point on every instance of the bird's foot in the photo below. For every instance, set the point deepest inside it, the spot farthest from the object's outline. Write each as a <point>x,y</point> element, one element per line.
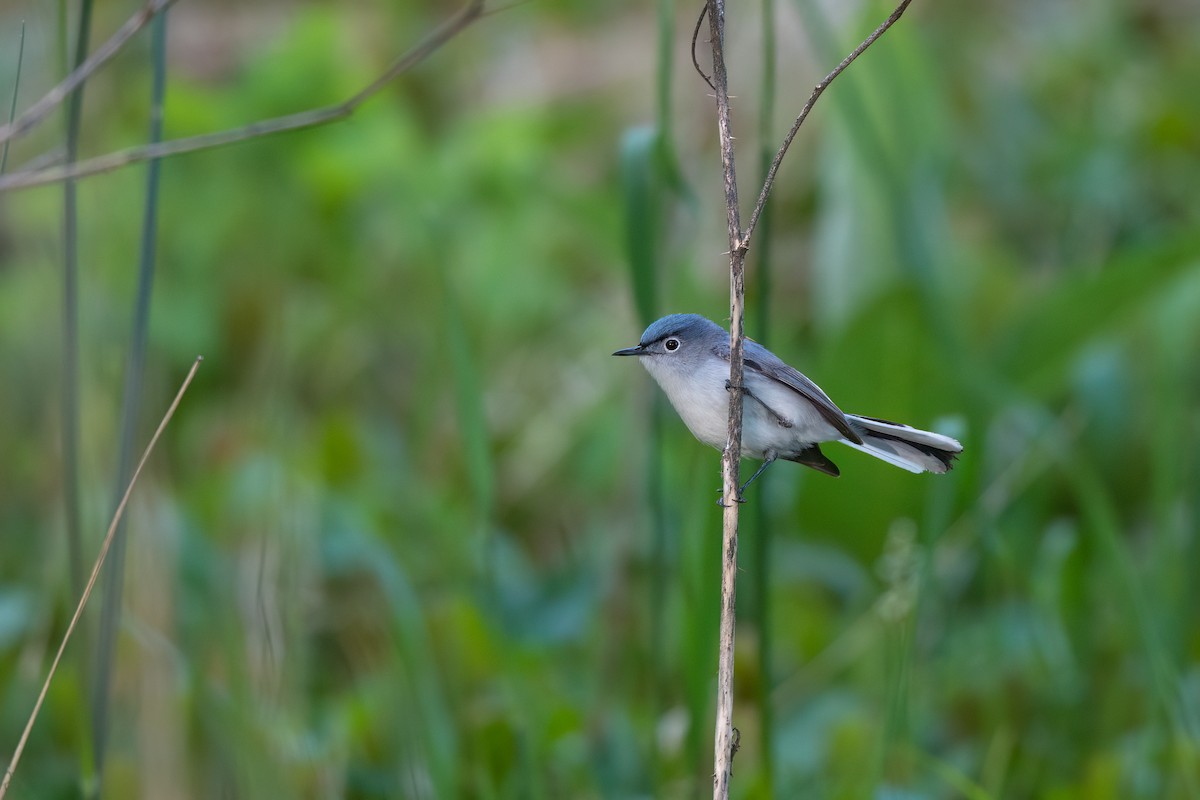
<point>721,498</point>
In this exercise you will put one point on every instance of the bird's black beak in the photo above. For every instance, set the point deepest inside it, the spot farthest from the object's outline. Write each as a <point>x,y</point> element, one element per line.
<point>631,351</point>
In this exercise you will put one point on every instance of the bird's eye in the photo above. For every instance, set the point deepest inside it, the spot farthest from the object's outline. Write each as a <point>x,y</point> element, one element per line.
<point>671,344</point>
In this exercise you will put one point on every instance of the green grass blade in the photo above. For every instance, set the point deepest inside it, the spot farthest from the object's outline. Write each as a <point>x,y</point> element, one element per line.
<point>70,413</point>
<point>642,236</point>
<point>70,365</point>
<point>762,531</point>
<point>472,423</point>
<point>1046,332</point>
<point>638,147</point>
<point>134,375</point>
<point>1104,519</point>
<point>12,108</point>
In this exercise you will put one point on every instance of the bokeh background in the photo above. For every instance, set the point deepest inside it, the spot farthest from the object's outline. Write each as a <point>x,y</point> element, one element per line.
<point>413,533</point>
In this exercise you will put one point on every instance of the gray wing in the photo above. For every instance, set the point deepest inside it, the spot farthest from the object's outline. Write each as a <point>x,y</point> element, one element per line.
<point>767,363</point>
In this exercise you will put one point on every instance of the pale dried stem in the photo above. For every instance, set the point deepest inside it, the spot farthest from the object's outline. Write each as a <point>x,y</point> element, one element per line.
<point>723,738</point>
<point>87,591</point>
<point>739,242</point>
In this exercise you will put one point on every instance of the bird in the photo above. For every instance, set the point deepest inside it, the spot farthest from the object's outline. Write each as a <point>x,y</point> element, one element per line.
<point>784,414</point>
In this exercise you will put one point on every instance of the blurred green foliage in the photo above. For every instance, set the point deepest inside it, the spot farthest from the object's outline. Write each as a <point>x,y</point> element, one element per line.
<point>399,540</point>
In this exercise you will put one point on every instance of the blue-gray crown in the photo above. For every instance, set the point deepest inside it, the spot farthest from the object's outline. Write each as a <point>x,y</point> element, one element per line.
<point>686,325</point>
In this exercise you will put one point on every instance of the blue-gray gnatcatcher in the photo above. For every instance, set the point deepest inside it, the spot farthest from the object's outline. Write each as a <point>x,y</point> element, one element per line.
<point>784,414</point>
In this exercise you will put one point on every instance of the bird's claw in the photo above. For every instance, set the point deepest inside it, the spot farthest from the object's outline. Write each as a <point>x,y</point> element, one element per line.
<point>721,499</point>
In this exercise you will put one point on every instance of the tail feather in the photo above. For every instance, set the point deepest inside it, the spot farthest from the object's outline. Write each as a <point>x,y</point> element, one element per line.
<point>908,448</point>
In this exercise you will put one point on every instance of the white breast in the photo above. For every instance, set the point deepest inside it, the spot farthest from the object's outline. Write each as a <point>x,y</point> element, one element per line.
<point>699,397</point>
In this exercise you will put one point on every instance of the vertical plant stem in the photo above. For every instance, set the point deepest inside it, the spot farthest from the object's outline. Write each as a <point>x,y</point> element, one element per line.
<point>663,71</point>
<point>134,375</point>
<point>70,363</point>
<point>738,245</point>
<point>70,338</point>
<point>761,583</point>
<point>69,369</point>
<point>723,744</point>
<point>641,184</point>
<point>660,561</point>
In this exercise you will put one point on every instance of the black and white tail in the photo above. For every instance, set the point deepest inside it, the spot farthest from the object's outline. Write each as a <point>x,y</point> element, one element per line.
<point>908,448</point>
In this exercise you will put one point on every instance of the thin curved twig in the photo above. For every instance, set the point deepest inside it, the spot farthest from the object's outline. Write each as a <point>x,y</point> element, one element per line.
<point>696,38</point>
<point>37,112</point>
<point>304,119</point>
<point>769,182</point>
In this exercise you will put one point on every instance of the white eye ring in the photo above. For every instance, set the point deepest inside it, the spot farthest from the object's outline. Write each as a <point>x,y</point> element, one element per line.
<point>671,344</point>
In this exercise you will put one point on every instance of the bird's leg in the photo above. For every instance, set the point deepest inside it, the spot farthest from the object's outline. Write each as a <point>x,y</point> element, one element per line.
<point>770,459</point>
<point>784,423</point>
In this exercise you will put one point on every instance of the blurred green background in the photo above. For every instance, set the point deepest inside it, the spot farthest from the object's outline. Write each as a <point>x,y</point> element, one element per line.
<point>413,533</point>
